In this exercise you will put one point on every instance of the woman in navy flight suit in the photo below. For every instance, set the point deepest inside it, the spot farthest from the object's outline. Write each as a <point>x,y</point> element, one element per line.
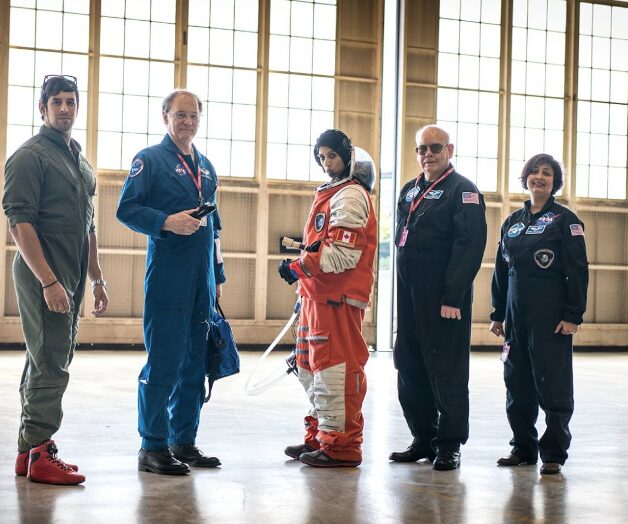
<point>540,289</point>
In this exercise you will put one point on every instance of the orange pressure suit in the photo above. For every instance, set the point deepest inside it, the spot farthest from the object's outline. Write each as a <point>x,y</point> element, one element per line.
<point>335,290</point>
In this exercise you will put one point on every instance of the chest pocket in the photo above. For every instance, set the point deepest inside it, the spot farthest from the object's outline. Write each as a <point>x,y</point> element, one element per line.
<point>435,201</point>
<point>209,184</point>
<point>87,177</point>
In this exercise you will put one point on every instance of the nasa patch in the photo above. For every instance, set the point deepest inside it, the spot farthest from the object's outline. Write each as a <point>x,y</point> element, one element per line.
<point>544,258</point>
<point>319,222</point>
<point>411,194</point>
<point>136,167</point>
<point>204,172</point>
<point>515,230</point>
<point>434,194</point>
<point>179,170</point>
<point>535,230</point>
<point>546,219</point>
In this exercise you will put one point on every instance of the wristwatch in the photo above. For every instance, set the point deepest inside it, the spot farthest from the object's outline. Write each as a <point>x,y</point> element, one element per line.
<point>99,282</point>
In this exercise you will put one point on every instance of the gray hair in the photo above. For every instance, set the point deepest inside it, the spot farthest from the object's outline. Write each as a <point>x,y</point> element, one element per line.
<point>167,103</point>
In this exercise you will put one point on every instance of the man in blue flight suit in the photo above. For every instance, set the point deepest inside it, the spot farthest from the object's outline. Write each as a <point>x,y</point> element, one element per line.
<point>184,274</point>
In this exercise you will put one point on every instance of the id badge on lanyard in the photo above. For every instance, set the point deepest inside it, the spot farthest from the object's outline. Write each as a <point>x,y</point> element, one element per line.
<point>415,204</point>
<point>197,182</point>
<point>404,237</point>
<point>196,179</point>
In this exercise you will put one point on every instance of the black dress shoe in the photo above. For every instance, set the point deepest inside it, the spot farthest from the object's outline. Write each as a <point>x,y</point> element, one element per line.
<point>550,468</point>
<point>447,459</point>
<point>514,460</point>
<point>318,459</point>
<point>193,456</point>
<point>412,454</point>
<point>296,451</point>
<point>161,462</point>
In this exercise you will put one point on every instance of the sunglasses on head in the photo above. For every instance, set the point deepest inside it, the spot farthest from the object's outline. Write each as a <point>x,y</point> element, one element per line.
<point>434,148</point>
<point>69,78</point>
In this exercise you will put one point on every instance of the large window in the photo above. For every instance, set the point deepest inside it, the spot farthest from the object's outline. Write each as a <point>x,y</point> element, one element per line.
<point>538,83</point>
<point>301,86</point>
<point>136,72</point>
<point>468,85</point>
<point>45,38</point>
<point>602,102</point>
<point>222,56</point>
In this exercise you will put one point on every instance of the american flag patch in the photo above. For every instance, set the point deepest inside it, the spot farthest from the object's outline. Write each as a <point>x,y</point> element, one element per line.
<point>347,238</point>
<point>470,198</point>
<point>576,229</point>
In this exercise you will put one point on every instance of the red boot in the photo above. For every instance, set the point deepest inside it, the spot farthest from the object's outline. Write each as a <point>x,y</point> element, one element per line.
<point>45,467</point>
<point>21,464</point>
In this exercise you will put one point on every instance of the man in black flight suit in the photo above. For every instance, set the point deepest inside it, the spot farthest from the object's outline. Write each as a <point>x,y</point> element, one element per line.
<point>440,239</point>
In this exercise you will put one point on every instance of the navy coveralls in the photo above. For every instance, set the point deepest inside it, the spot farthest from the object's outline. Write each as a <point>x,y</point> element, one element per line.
<point>437,265</point>
<point>540,278</point>
<point>180,290</point>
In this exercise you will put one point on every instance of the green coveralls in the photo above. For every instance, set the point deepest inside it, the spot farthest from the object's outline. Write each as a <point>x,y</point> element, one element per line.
<point>51,188</point>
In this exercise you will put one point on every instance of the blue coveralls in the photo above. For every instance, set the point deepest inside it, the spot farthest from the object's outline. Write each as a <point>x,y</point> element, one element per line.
<point>180,291</point>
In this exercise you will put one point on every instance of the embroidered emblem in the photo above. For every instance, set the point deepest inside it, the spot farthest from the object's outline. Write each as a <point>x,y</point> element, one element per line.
<point>576,230</point>
<point>515,230</point>
<point>434,194</point>
<point>546,219</point>
<point>179,170</point>
<point>319,222</point>
<point>411,194</point>
<point>204,172</point>
<point>468,197</point>
<point>344,237</point>
<point>535,230</point>
<point>136,167</point>
<point>544,258</point>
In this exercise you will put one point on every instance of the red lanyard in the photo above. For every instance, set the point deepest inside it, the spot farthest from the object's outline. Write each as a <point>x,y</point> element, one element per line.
<point>415,203</point>
<point>196,179</point>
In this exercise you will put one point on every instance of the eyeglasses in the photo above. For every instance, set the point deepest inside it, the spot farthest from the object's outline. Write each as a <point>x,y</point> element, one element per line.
<point>434,148</point>
<point>69,78</point>
<point>182,115</point>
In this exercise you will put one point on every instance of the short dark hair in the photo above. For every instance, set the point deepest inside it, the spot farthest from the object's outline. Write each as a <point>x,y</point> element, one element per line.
<point>542,158</point>
<point>53,85</point>
<point>167,102</point>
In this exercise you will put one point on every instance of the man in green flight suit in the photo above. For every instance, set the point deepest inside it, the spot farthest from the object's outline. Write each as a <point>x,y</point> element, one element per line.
<point>48,192</point>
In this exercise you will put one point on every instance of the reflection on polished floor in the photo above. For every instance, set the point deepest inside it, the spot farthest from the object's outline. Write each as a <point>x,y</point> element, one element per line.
<point>257,483</point>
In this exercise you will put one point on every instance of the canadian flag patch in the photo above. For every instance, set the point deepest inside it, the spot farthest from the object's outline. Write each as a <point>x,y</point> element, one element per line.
<point>344,237</point>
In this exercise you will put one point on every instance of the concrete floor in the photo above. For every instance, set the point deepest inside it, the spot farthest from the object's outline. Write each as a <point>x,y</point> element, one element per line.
<point>257,483</point>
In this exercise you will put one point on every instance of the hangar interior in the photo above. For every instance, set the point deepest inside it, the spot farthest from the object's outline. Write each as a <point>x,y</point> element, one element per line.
<point>506,78</point>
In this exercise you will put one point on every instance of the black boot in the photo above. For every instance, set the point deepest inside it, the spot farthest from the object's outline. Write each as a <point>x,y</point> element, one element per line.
<point>161,462</point>
<point>193,456</point>
<point>295,451</point>
<point>447,459</point>
<point>319,459</point>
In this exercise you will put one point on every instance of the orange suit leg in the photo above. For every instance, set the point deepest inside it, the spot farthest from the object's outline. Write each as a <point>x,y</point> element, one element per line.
<point>331,355</point>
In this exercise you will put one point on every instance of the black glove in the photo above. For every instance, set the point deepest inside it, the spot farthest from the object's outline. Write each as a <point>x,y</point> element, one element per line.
<point>285,272</point>
<point>313,247</point>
